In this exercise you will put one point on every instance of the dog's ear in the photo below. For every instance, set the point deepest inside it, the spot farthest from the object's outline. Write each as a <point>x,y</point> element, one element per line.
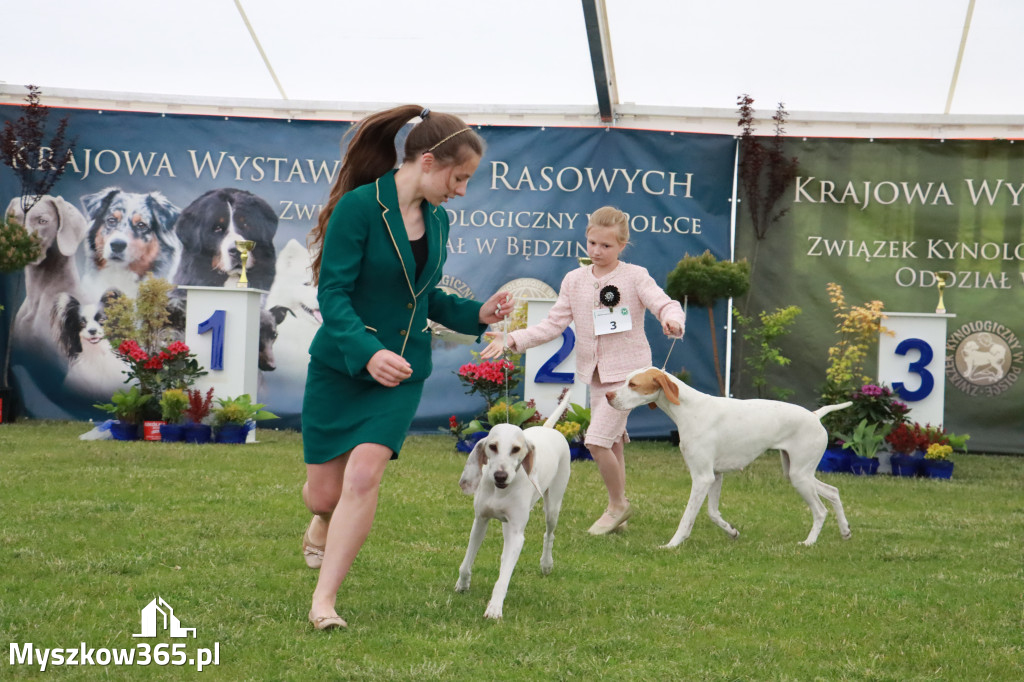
<point>473,471</point>
<point>66,323</point>
<point>165,212</point>
<point>528,459</point>
<point>95,204</point>
<point>668,387</point>
<point>72,228</point>
<point>281,312</point>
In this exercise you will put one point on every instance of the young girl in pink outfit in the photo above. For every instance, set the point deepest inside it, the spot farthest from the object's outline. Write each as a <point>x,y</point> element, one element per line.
<point>606,300</point>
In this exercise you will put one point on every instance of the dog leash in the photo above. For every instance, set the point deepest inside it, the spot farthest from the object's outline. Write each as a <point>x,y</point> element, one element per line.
<point>686,301</point>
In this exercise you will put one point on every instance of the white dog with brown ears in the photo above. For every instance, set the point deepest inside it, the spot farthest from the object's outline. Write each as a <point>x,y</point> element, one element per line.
<point>725,434</point>
<point>509,471</point>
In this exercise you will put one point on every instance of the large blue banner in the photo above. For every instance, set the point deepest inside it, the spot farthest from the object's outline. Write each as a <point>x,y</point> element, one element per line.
<point>521,227</point>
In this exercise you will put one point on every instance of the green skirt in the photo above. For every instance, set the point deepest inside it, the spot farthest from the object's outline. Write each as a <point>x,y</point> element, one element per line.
<point>340,412</point>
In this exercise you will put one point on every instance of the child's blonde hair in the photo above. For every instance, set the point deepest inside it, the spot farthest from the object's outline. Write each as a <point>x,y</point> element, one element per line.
<point>609,216</point>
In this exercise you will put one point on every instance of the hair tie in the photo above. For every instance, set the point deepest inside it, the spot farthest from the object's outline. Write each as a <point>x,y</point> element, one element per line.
<point>424,114</point>
<point>457,132</point>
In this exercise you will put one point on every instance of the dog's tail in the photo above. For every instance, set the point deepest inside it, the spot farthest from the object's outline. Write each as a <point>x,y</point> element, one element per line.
<point>563,405</point>
<point>822,411</point>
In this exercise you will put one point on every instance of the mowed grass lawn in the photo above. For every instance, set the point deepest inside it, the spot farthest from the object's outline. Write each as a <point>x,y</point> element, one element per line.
<point>928,588</point>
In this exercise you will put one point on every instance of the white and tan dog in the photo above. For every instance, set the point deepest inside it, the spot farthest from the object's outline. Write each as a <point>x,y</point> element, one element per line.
<point>509,471</point>
<point>725,434</point>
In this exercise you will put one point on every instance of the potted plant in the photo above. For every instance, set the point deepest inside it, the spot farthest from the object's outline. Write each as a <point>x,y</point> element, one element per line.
<point>492,379</point>
<point>573,425</point>
<point>196,431</point>
<point>127,408</point>
<point>875,404</point>
<point>466,435</point>
<point>936,461</point>
<point>905,441</point>
<point>703,280</point>
<point>173,403</point>
<point>865,440</point>
<point>234,417</point>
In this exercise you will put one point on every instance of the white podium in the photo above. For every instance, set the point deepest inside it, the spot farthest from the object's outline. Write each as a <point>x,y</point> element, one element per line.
<point>550,367</point>
<point>913,362</point>
<point>222,328</point>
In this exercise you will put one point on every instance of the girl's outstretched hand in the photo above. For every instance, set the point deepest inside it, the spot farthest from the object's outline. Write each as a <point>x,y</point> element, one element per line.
<point>495,347</point>
<point>672,329</point>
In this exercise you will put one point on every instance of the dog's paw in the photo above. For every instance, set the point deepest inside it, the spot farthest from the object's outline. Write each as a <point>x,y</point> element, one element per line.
<point>847,535</point>
<point>734,534</point>
<point>546,566</point>
<point>462,585</point>
<point>493,612</point>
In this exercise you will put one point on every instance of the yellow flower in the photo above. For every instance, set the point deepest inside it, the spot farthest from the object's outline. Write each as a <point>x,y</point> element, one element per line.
<point>938,451</point>
<point>568,429</point>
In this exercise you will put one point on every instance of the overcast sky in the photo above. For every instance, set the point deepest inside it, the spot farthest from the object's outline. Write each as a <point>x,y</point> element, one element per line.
<point>894,56</point>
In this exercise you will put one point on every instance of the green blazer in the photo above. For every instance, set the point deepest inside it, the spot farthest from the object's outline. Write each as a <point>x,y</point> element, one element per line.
<point>370,298</point>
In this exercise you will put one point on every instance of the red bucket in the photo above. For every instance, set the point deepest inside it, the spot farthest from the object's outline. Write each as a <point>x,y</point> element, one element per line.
<point>151,430</point>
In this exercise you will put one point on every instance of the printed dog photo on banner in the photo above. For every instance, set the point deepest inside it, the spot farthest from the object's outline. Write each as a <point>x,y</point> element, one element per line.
<point>131,235</point>
<point>208,229</point>
<point>293,300</point>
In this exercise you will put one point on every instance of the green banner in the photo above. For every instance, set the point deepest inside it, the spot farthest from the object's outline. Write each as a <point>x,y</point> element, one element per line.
<point>883,218</point>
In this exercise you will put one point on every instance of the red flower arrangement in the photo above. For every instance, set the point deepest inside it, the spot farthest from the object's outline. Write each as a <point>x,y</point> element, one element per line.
<point>491,379</point>
<point>908,438</point>
<point>172,367</point>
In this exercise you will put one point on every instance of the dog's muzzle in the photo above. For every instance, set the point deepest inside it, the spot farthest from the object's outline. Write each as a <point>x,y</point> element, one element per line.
<point>501,479</point>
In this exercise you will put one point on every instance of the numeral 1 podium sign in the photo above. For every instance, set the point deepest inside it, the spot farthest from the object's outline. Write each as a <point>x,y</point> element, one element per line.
<point>550,367</point>
<point>913,362</point>
<point>222,328</point>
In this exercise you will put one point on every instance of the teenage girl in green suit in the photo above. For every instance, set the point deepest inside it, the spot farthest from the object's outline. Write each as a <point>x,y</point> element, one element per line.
<point>379,248</point>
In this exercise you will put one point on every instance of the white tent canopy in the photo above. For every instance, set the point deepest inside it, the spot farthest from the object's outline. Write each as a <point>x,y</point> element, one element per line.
<point>936,63</point>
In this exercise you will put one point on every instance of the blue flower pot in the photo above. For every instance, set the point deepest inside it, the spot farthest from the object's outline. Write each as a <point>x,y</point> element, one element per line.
<point>466,444</point>
<point>937,468</point>
<point>905,465</point>
<point>232,433</point>
<point>198,433</point>
<point>835,460</point>
<point>172,433</point>
<point>578,451</point>
<point>863,466</point>
<point>124,431</point>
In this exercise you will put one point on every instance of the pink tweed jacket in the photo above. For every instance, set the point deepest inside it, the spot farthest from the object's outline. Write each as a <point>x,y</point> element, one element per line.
<point>613,355</point>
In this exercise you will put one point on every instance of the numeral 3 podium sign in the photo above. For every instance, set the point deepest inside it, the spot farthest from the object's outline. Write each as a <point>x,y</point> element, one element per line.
<point>913,362</point>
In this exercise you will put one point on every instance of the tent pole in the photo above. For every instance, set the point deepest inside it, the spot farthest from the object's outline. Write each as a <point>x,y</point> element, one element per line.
<point>959,56</point>
<point>595,16</point>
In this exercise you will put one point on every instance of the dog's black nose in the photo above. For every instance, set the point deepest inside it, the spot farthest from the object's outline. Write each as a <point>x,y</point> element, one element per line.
<point>500,478</point>
<point>118,246</point>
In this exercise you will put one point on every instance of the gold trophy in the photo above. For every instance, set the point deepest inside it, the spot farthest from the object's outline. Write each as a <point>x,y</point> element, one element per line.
<point>941,308</point>
<point>244,247</point>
